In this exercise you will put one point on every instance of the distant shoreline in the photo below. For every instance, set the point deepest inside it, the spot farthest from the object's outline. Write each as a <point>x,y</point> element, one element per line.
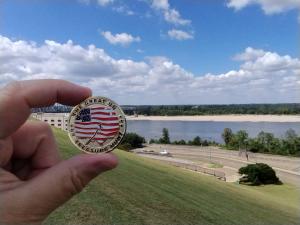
<point>222,118</point>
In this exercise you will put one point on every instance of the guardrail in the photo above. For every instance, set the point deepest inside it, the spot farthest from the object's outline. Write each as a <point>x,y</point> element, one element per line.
<point>220,175</point>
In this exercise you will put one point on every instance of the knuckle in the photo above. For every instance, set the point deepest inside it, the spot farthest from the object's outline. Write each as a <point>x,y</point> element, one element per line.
<point>12,87</point>
<point>41,129</point>
<point>8,92</point>
<point>44,127</point>
<point>75,184</point>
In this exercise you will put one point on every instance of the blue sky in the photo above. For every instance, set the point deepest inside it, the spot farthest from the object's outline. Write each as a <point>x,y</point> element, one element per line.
<point>217,31</point>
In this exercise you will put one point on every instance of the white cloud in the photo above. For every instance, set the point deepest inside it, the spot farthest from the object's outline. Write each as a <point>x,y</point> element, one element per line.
<point>173,16</point>
<point>99,2</point>
<point>104,2</point>
<point>124,10</point>
<point>269,6</point>
<point>116,6</point>
<point>161,4</point>
<point>262,77</point>
<point>140,51</point>
<point>121,39</point>
<point>249,54</point>
<point>180,35</point>
<point>170,15</point>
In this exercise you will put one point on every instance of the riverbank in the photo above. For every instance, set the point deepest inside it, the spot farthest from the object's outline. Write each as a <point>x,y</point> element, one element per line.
<point>222,118</point>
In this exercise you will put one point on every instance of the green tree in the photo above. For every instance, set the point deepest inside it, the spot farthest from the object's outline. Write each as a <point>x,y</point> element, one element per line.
<point>276,146</point>
<point>181,142</point>
<point>153,141</point>
<point>254,145</point>
<point>266,143</point>
<point>190,142</point>
<point>242,138</point>
<point>205,143</point>
<point>227,136</point>
<point>132,140</point>
<point>258,173</point>
<point>266,139</point>
<point>197,141</point>
<point>291,144</point>
<point>291,135</point>
<point>165,139</point>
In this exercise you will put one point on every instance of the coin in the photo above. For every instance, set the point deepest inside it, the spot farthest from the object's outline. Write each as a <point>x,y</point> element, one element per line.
<point>97,125</point>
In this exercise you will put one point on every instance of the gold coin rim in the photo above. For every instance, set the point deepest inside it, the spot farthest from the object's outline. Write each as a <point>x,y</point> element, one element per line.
<point>122,114</point>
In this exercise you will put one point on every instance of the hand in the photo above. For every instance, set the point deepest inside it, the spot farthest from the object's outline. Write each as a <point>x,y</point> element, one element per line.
<point>33,179</point>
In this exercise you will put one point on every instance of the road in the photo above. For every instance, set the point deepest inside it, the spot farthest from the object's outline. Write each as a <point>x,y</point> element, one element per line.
<point>287,168</point>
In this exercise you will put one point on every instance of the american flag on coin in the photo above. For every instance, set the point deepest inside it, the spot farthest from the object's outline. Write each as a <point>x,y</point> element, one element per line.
<point>97,125</point>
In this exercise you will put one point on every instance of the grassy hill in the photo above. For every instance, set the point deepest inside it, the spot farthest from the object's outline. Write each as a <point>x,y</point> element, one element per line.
<point>143,191</point>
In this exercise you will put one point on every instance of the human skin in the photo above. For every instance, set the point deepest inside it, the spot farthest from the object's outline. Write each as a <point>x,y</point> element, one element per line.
<point>34,181</point>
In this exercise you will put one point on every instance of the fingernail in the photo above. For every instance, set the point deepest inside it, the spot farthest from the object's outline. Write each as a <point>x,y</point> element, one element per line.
<point>105,162</point>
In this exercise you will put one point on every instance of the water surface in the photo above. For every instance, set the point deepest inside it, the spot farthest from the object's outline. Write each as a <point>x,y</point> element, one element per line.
<point>209,130</point>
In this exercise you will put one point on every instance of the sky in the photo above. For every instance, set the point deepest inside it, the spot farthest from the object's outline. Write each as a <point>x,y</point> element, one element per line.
<point>157,51</point>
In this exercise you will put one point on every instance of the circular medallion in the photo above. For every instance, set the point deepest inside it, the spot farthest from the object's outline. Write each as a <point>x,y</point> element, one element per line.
<point>97,125</point>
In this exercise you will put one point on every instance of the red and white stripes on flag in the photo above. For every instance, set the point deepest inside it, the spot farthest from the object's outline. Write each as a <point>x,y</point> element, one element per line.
<point>103,119</point>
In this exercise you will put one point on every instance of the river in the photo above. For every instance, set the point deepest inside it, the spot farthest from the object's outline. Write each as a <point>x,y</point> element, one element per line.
<point>209,130</point>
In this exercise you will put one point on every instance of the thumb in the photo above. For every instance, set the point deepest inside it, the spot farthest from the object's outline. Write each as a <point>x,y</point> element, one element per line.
<point>58,184</point>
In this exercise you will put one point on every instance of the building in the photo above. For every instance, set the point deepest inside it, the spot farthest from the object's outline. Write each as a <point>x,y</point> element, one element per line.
<point>59,120</point>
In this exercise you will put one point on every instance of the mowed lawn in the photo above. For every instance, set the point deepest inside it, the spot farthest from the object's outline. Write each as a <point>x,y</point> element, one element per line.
<point>143,191</point>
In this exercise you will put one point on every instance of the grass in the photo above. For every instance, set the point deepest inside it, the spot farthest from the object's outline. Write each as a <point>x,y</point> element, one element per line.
<point>144,191</point>
<point>215,165</point>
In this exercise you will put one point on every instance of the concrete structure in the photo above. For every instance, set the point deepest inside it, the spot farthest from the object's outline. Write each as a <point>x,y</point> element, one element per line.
<point>59,120</point>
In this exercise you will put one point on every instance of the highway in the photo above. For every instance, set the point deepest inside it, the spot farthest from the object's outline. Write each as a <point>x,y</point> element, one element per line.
<point>287,168</point>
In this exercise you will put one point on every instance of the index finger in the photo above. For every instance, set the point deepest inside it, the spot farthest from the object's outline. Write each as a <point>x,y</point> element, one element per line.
<point>19,97</point>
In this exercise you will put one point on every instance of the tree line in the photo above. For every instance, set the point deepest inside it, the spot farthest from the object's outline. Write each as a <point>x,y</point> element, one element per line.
<point>175,110</point>
<point>165,139</point>
<point>264,142</point>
